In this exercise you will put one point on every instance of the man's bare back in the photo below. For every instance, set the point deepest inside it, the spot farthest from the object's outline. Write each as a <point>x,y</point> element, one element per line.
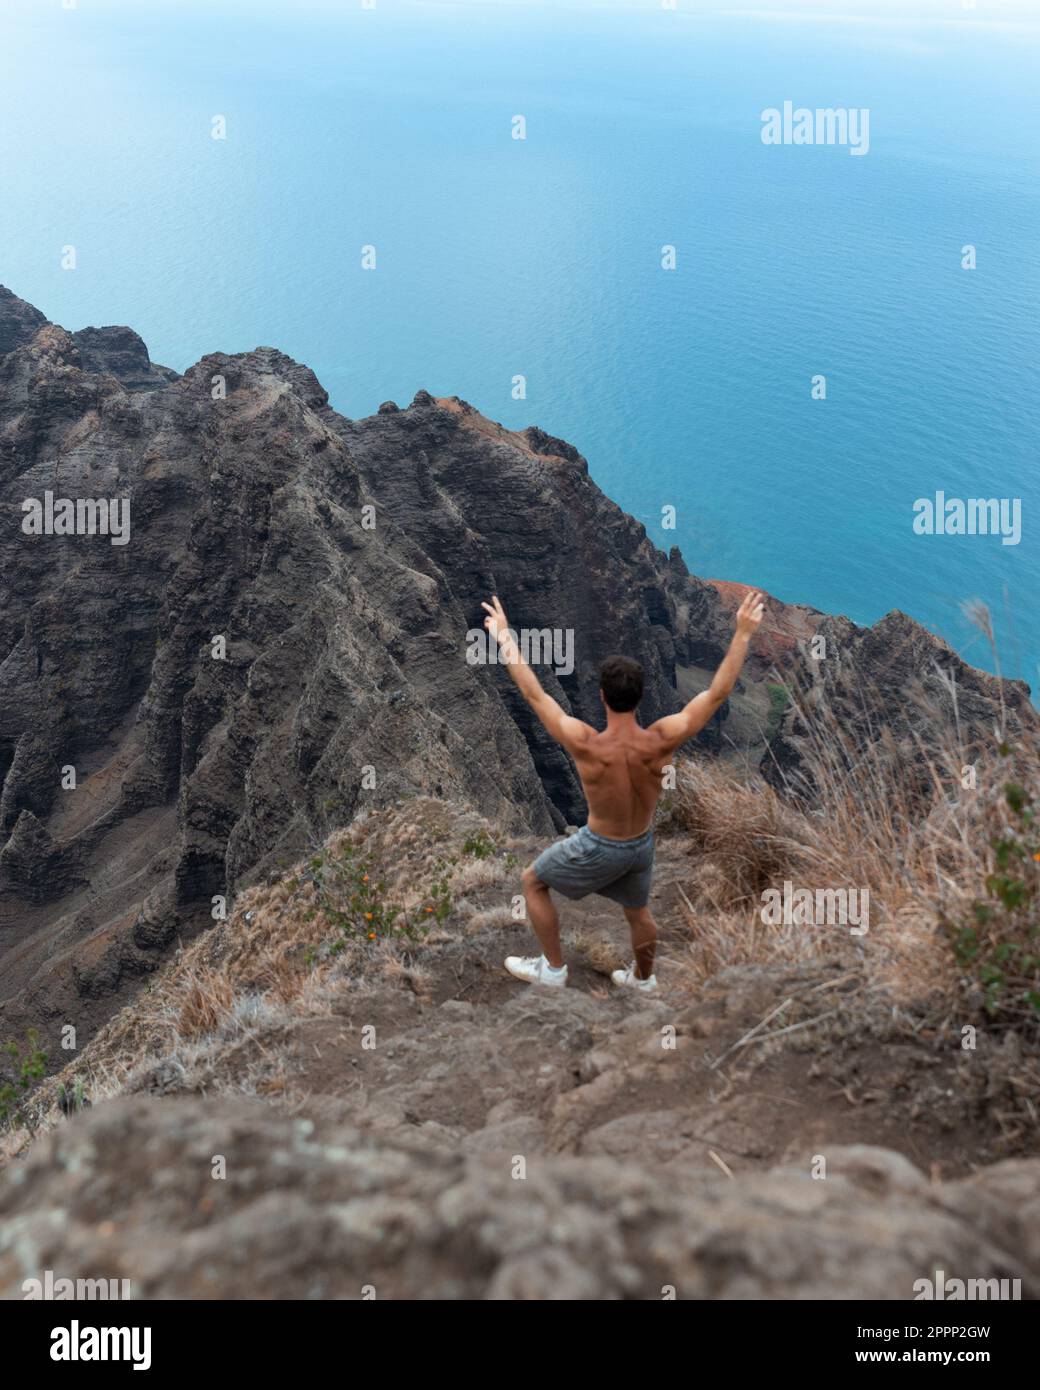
<point>622,772</point>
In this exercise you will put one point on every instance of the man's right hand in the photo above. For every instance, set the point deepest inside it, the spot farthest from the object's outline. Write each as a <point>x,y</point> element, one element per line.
<point>750,614</point>
<point>674,729</point>
<point>497,625</point>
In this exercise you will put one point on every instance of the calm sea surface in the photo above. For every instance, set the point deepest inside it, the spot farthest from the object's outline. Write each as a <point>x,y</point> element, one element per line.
<point>541,258</point>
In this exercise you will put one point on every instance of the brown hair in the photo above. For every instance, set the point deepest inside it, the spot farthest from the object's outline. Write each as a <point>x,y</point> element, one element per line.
<point>621,680</point>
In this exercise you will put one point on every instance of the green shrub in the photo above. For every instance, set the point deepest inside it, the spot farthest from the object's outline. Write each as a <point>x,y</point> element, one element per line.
<point>480,844</point>
<point>779,699</point>
<point>30,1066</point>
<point>997,941</point>
<point>357,903</point>
<point>72,1102</point>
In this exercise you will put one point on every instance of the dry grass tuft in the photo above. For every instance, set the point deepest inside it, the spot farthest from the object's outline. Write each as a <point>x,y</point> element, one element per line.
<point>500,915</point>
<point>599,954</point>
<point>745,832</point>
<point>205,1000</point>
<point>719,940</point>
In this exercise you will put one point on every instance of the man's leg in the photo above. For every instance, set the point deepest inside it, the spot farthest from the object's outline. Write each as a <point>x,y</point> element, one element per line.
<point>644,939</point>
<point>543,915</point>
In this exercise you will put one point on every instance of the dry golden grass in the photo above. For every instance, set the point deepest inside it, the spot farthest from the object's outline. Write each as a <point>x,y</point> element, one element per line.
<point>475,874</point>
<point>719,940</point>
<point>204,1000</point>
<point>500,915</point>
<point>896,820</point>
<point>743,831</point>
<point>923,845</point>
<point>416,977</point>
<point>597,953</point>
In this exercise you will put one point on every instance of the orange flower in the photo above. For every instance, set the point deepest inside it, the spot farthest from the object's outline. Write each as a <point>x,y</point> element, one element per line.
<point>364,878</point>
<point>371,936</point>
<point>368,916</point>
<point>1036,856</point>
<point>429,909</point>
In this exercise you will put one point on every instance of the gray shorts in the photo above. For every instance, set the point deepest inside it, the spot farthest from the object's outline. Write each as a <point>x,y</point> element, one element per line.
<point>589,863</point>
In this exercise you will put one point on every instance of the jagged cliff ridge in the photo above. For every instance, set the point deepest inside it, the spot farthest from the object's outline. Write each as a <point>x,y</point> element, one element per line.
<point>345,644</point>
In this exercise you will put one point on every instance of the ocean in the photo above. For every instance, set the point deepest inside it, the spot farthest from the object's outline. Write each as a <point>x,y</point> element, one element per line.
<point>528,275</point>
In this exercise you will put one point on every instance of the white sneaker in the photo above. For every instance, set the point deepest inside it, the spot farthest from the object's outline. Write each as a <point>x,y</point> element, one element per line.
<point>631,979</point>
<point>536,970</point>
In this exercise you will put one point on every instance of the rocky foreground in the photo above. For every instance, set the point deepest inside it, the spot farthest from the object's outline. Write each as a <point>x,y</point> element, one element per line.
<point>274,1120</point>
<point>317,1209</point>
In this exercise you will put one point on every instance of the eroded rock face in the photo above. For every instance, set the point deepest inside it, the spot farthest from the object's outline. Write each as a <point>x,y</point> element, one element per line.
<point>896,681</point>
<point>317,1209</point>
<point>264,657</point>
<point>517,514</point>
<point>123,353</point>
<point>19,322</point>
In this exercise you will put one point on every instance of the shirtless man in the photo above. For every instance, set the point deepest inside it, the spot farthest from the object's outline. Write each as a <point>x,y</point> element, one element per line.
<point>621,771</point>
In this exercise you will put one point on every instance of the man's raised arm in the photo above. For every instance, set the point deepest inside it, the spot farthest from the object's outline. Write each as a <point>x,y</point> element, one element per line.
<point>677,728</point>
<point>563,727</point>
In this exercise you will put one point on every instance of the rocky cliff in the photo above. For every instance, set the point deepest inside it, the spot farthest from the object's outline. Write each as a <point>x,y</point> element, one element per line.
<point>280,639</point>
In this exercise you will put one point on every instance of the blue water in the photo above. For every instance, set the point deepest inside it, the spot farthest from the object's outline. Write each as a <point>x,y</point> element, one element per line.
<point>496,257</point>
